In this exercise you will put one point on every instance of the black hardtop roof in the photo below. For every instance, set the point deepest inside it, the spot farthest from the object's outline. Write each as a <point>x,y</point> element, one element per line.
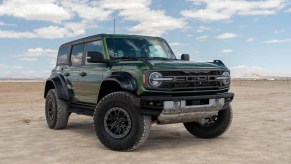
<point>98,36</point>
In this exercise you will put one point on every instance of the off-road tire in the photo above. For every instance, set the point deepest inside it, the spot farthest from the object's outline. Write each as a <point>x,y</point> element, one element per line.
<point>221,125</point>
<point>59,111</point>
<point>140,124</point>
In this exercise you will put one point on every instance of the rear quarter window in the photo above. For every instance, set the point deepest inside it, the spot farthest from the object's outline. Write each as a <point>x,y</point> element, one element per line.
<point>63,56</point>
<point>77,54</point>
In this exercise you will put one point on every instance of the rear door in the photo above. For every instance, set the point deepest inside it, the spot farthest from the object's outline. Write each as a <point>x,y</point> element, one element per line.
<point>73,70</point>
<point>92,74</point>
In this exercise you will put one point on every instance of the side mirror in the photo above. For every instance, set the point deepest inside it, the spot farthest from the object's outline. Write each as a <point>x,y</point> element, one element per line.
<point>95,57</point>
<point>185,57</point>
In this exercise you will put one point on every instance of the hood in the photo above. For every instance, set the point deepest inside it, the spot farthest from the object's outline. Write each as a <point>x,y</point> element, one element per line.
<point>178,64</point>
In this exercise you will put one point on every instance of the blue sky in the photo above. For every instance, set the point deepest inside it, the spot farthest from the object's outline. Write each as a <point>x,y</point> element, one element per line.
<point>248,36</point>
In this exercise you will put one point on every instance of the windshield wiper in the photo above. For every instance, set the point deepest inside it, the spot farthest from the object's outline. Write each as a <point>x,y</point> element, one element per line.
<point>126,58</point>
<point>158,58</point>
<point>141,58</point>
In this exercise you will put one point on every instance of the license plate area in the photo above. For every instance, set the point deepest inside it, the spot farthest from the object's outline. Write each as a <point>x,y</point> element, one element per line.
<point>197,102</point>
<point>193,106</point>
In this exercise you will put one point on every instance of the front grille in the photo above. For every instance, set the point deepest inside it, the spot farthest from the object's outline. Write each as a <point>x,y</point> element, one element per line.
<point>189,73</point>
<point>192,80</point>
<point>186,85</point>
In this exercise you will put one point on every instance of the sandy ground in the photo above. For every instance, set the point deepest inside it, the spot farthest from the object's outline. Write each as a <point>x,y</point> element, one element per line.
<point>260,132</point>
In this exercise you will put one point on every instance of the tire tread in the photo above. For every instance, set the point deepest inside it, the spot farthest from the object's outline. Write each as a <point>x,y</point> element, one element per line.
<point>62,115</point>
<point>145,121</point>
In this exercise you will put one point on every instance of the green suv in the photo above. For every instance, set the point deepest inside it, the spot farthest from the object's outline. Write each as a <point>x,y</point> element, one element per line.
<point>128,82</point>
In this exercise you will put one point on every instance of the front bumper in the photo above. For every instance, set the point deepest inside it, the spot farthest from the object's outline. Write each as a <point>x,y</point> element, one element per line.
<point>177,109</point>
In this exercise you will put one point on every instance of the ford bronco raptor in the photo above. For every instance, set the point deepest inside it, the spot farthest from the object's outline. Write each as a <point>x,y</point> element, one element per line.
<point>128,82</point>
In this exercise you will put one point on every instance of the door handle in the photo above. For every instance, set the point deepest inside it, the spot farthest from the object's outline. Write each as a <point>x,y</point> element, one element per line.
<point>83,74</point>
<point>67,74</point>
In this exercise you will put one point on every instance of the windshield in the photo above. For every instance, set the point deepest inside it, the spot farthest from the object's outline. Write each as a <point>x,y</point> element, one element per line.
<point>138,47</point>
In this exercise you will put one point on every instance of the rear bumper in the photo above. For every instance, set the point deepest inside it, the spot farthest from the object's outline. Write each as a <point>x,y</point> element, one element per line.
<point>175,109</point>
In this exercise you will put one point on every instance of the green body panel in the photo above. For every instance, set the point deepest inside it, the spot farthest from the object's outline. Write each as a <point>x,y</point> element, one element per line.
<point>181,65</point>
<point>86,89</point>
<point>90,84</point>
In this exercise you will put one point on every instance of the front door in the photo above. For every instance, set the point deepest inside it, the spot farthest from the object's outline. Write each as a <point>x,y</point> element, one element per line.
<point>92,74</point>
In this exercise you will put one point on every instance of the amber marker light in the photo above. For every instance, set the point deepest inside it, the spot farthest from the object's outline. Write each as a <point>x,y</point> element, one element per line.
<point>144,78</point>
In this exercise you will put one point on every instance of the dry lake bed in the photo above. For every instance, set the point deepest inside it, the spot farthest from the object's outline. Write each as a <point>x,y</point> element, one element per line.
<point>260,131</point>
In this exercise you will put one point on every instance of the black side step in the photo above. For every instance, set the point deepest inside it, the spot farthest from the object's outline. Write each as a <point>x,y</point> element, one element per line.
<point>81,109</point>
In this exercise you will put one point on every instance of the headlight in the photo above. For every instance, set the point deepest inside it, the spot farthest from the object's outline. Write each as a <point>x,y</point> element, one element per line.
<point>226,78</point>
<point>153,79</point>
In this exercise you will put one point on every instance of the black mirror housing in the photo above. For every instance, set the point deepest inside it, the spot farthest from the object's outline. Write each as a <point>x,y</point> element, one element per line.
<point>185,57</point>
<point>95,57</point>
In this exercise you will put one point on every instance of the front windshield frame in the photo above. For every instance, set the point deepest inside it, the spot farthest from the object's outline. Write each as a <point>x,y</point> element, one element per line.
<point>157,48</point>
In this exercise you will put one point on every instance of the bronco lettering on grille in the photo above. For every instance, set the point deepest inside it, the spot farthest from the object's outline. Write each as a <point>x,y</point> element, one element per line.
<point>194,80</point>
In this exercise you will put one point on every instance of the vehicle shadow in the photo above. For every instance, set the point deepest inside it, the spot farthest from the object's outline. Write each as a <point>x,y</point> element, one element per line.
<point>172,137</point>
<point>161,137</point>
<point>84,127</point>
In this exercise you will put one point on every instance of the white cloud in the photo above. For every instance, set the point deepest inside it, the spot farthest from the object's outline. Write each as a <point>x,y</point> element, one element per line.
<point>70,29</point>
<point>251,40</point>
<point>3,66</point>
<point>226,51</point>
<point>150,22</point>
<point>258,12</point>
<point>38,52</point>
<point>15,34</point>
<point>78,28</point>
<point>51,32</point>
<point>176,44</point>
<point>33,54</point>
<point>288,10</point>
<point>227,36</point>
<point>205,15</point>
<point>52,10</point>
<point>279,31</point>
<point>43,10</point>
<point>86,10</point>
<point>202,38</point>
<point>203,29</point>
<point>28,59</point>
<point>55,11</point>
<point>278,41</point>
<point>17,67</point>
<point>216,10</point>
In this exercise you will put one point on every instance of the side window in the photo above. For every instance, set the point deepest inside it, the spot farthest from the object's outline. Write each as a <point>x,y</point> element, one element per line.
<point>95,46</point>
<point>63,56</point>
<point>77,54</point>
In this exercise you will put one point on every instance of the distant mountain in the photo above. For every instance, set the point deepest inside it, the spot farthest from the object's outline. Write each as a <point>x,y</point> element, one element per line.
<point>261,76</point>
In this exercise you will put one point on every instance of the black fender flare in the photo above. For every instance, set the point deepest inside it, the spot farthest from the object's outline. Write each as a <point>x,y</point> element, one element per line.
<point>125,80</point>
<point>61,85</point>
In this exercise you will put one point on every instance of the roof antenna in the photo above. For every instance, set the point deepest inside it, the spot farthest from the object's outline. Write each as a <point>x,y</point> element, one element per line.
<point>114,37</point>
<point>114,26</point>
